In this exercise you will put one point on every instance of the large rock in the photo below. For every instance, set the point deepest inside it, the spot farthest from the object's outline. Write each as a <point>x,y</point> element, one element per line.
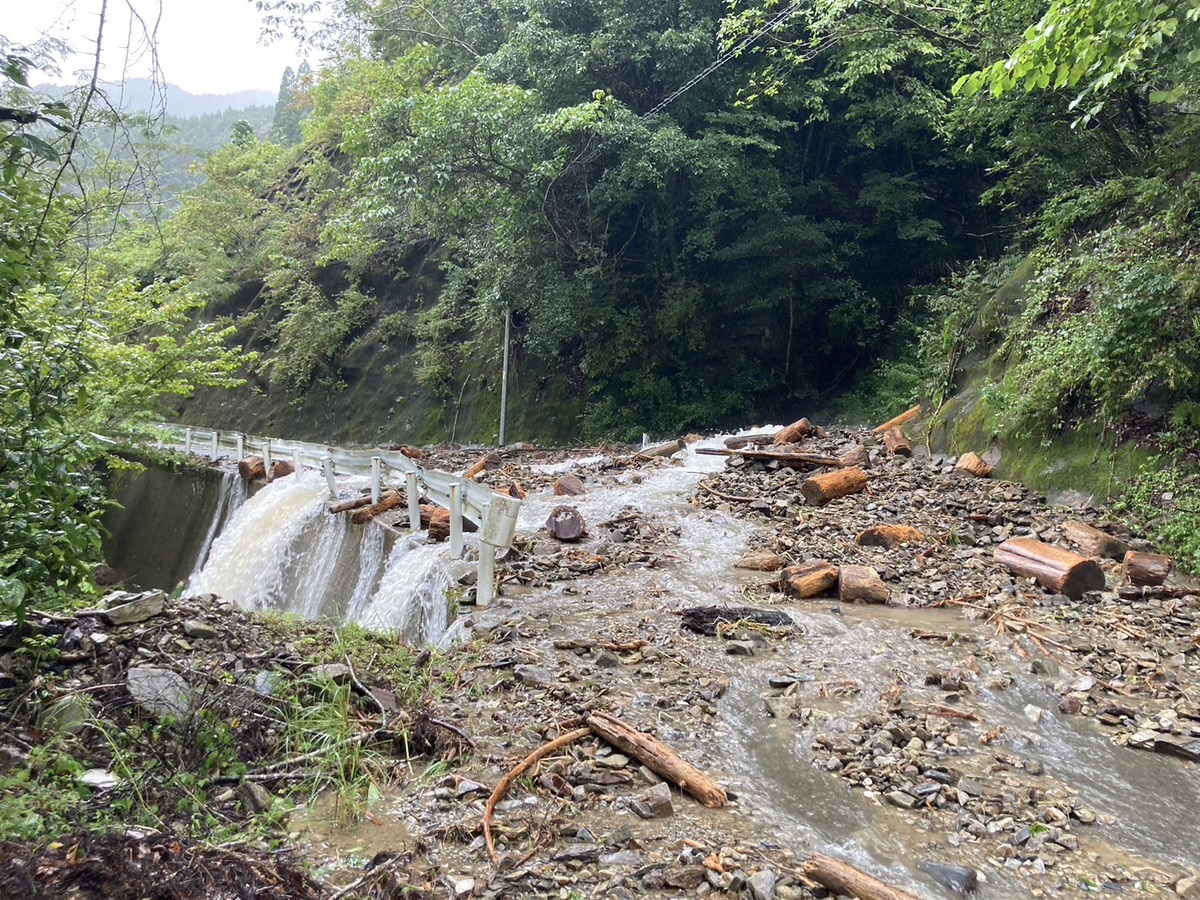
<point>566,523</point>
<point>123,608</point>
<point>159,691</point>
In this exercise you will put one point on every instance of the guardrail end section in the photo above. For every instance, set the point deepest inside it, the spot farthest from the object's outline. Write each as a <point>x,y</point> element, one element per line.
<point>499,525</point>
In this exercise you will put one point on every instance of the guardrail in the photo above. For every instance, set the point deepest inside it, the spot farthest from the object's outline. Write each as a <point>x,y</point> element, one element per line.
<point>495,514</point>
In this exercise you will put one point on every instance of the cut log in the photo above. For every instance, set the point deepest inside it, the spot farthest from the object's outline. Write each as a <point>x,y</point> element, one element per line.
<point>842,878</point>
<point>668,449</point>
<point>566,523</point>
<point>569,486</point>
<point>1052,567</point>
<point>252,468</point>
<point>485,463</point>
<point>281,468</point>
<point>973,464</point>
<point>820,489</point>
<point>811,578</point>
<point>1146,568</point>
<point>897,442</point>
<point>742,441</point>
<point>353,503</point>
<point>388,501</point>
<point>903,419</point>
<point>762,561</point>
<point>861,584</point>
<point>1093,542</point>
<point>860,456</point>
<point>406,450</point>
<point>439,524</point>
<point>658,757</point>
<point>889,536</point>
<point>797,431</point>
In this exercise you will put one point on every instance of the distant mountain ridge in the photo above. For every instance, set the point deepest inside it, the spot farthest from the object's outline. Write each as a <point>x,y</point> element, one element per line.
<point>142,95</point>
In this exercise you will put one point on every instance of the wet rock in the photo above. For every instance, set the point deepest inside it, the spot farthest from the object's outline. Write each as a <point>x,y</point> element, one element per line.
<point>685,878</point>
<point>534,676</point>
<point>741,648</point>
<point>67,715</point>
<point>762,885</point>
<point>255,797</point>
<point>655,803</point>
<point>782,707</point>
<point>902,799</point>
<point>467,787</point>
<point>706,619</point>
<point>159,691</point>
<point>123,608</point>
<point>581,852</point>
<point>330,673</point>
<point>960,879</point>
<point>569,486</point>
<point>1188,887</point>
<point>463,887</point>
<point>606,659</point>
<point>201,631</point>
<point>612,761</point>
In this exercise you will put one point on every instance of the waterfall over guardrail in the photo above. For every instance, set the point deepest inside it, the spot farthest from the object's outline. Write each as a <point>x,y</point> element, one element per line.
<point>496,514</point>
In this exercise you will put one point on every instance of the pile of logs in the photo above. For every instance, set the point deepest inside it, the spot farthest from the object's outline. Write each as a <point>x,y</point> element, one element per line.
<point>819,577</point>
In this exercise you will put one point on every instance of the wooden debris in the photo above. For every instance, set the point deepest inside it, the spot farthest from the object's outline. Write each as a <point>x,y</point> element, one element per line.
<point>742,441</point>
<point>659,758</point>
<point>903,419</point>
<point>353,503</point>
<point>515,490</point>
<point>406,450</point>
<point>1052,567</point>
<point>670,448</point>
<point>811,578</point>
<point>897,442</point>
<point>861,584</point>
<point>569,486</point>
<point>1146,568</point>
<point>485,463</point>
<point>1093,542</point>
<point>860,456</point>
<point>252,468</point>
<point>794,433</point>
<point>566,523</point>
<point>387,501</point>
<point>786,458</point>
<point>973,464</point>
<point>762,561</point>
<point>842,878</point>
<point>889,536</point>
<point>820,489</point>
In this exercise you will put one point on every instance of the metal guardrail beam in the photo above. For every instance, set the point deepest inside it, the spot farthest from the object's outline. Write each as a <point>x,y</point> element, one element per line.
<point>495,513</point>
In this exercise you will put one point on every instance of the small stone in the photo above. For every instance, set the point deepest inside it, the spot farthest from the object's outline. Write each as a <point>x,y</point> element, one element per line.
<point>466,787</point>
<point>782,707</point>
<point>463,887</point>
<point>67,715</point>
<point>1188,887</point>
<point>655,803</point>
<point>762,885</point>
<point>901,799</point>
<point>605,659</point>
<point>1070,706</point>
<point>534,676</point>
<point>686,878</point>
<point>581,852</point>
<point>612,761</point>
<point>255,798</point>
<point>1035,714</point>
<point>741,648</point>
<point>620,858</point>
<point>194,628</point>
<point>782,681</point>
<point>960,879</point>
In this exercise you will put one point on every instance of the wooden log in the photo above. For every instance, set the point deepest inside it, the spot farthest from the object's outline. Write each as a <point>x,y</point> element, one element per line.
<point>569,486</point>
<point>820,489</point>
<point>352,504</point>
<point>861,584</point>
<point>762,561</point>
<point>811,578</point>
<point>658,757</point>
<point>1146,568</point>
<point>406,450</point>
<point>903,419</point>
<point>1093,542</point>
<point>485,463</point>
<point>973,464</point>
<point>741,441</point>
<point>388,501</point>
<point>860,456</point>
<point>842,878</point>
<point>252,468</point>
<point>897,442</point>
<point>797,431</point>
<point>566,523</point>
<point>1052,567</point>
<point>889,536</point>
<point>668,449</point>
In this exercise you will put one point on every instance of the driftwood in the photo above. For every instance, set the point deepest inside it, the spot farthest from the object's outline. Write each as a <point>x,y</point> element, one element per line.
<point>820,489</point>
<point>1146,568</point>
<point>897,442</point>
<point>762,561</point>
<point>485,463</point>
<point>569,486</point>
<point>860,456</point>
<point>903,419</point>
<point>566,523</point>
<point>1052,567</point>
<point>386,502</point>
<point>797,431</point>
<point>973,464</point>
<point>861,584</point>
<point>348,505</point>
<point>659,758</point>
<point>842,878</point>
<point>523,766</point>
<point>1092,541</point>
<point>670,448</point>
<point>811,578</point>
<point>742,441</point>
<point>889,536</point>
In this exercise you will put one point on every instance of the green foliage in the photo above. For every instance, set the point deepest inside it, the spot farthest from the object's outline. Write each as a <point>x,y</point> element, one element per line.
<point>1165,499</point>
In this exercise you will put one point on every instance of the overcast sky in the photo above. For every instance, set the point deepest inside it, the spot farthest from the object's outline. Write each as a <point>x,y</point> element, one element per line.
<point>204,46</point>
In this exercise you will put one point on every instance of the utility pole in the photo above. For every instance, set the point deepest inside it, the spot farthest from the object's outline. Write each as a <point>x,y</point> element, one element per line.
<point>504,379</point>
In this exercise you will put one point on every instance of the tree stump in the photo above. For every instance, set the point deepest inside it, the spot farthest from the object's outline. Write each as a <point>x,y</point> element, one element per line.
<point>860,456</point>
<point>569,486</point>
<point>903,419</point>
<point>897,442</point>
<point>1093,542</point>
<point>797,431</point>
<point>1052,567</point>
<point>811,578</point>
<point>820,489</point>
<point>861,584</point>
<point>973,464</point>
<point>889,536</point>
<point>1146,569</point>
<point>566,523</point>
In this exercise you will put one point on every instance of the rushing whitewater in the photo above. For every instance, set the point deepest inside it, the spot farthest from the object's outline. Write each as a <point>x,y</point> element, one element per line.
<point>282,550</point>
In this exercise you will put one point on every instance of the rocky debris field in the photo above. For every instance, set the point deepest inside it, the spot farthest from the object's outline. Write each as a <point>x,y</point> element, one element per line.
<point>951,725</point>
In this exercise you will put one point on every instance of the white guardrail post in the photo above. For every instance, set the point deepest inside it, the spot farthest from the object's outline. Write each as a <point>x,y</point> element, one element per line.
<point>330,478</point>
<point>456,521</point>
<point>215,449</point>
<point>239,441</point>
<point>298,460</point>
<point>187,440</point>
<point>414,501</point>
<point>376,485</point>
<point>266,456</point>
